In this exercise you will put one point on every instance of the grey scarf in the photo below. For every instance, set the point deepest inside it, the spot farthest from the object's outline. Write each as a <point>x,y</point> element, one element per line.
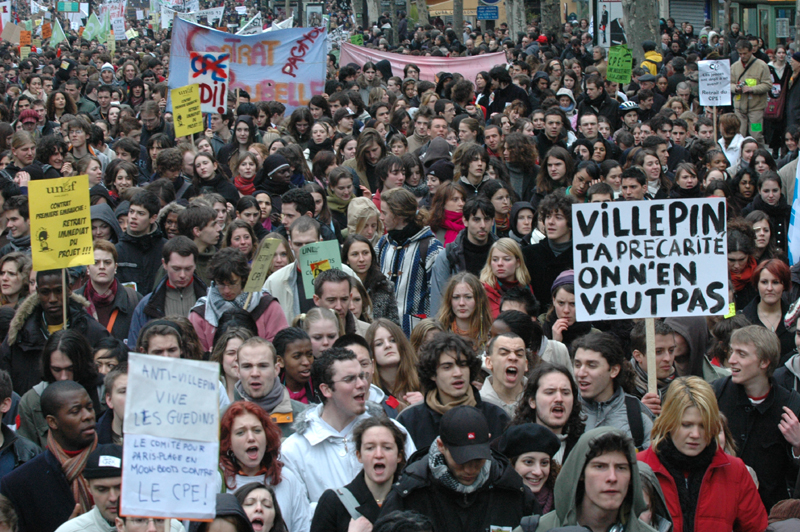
<point>270,401</point>
<point>440,471</point>
<point>216,305</point>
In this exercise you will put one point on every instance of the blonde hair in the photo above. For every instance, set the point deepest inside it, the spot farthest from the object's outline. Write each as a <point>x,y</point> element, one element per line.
<point>421,330</point>
<point>359,211</point>
<point>305,321</point>
<point>509,247</point>
<point>682,394</point>
<point>481,320</point>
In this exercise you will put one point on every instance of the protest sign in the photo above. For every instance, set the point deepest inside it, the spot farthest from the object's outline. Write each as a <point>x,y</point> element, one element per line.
<point>241,10</point>
<point>113,9</point>
<point>131,34</point>
<point>620,62</point>
<point>252,27</point>
<point>139,14</point>
<point>357,39</point>
<point>260,267</point>
<point>316,258</point>
<point>61,226</point>
<point>11,33</point>
<point>650,259</point>
<point>211,71</point>
<point>5,12</point>
<point>469,67</point>
<point>118,25</point>
<point>171,445</point>
<point>715,82</point>
<point>24,52</point>
<point>47,30</point>
<point>24,38</point>
<point>186,113</point>
<point>287,66</point>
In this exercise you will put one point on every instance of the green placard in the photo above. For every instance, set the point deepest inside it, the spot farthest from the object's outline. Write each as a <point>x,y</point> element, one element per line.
<point>318,257</point>
<point>358,40</point>
<point>69,7</point>
<point>620,63</point>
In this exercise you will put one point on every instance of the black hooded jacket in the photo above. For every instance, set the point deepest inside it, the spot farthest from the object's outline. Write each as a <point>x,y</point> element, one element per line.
<point>139,258</point>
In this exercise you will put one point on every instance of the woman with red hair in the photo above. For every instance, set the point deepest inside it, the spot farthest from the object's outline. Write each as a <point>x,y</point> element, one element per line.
<point>249,447</point>
<point>771,278</point>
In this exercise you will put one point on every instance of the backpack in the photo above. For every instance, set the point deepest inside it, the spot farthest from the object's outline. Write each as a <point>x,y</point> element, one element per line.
<point>634,411</point>
<point>659,66</point>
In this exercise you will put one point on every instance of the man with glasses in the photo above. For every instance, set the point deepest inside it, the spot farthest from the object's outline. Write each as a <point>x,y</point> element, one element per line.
<point>321,451</point>
<point>78,132</point>
<point>447,367</point>
<point>147,524</point>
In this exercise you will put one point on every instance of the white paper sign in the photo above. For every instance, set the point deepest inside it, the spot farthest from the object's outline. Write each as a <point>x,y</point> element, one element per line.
<point>168,477</point>
<point>139,14</point>
<point>241,10</point>
<point>172,398</point>
<point>647,259</point>
<point>211,71</point>
<point>5,12</point>
<point>118,25</point>
<point>715,82</point>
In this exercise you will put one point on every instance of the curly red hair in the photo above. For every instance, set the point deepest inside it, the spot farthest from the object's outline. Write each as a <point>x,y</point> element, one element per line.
<point>271,431</point>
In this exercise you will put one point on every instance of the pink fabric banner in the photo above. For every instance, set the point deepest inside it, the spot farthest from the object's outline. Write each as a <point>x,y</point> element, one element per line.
<point>428,66</point>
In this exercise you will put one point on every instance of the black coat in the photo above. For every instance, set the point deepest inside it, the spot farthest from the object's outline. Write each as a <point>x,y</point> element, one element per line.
<point>792,106</point>
<point>785,335</point>
<point>139,258</point>
<point>21,449</point>
<point>40,494</point>
<point>422,423</point>
<point>331,514</point>
<point>507,95</point>
<point>220,184</point>
<point>125,302</point>
<point>502,501</point>
<point>760,442</point>
<point>544,267</point>
<point>779,216</point>
<point>607,107</point>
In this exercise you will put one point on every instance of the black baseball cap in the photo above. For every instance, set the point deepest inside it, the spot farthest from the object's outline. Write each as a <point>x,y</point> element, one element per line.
<point>104,462</point>
<point>465,433</point>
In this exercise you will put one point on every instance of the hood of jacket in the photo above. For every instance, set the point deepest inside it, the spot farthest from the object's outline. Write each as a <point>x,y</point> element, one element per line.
<point>438,149</point>
<point>103,212</point>
<point>568,481</point>
<point>144,242</point>
<point>28,307</point>
<point>695,331</point>
<point>308,423</point>
<point>385,68</point>
<point>563,91</point>
<point>646,471</point>
<point>515,210</point>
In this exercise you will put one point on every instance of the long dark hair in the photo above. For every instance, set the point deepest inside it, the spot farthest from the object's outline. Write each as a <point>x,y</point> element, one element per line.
<point>75,347</point>
<point>278,524</point>
<point>525,414</point>
<point>374,274</point>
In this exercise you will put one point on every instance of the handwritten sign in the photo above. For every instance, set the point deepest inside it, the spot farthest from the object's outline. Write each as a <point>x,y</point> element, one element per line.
<point>24,38</point>
<point>139,14</point>
<point>118,25</point>
<point>715,82</point>
<point>316,258</point>
<point>171,445</point>
<point>650,259</point>
<point>186,114</point>
<point>61,226</point>
<point>211,70</point>
<point>259,270</point>
<point>620,62</point>
<point>24,52</point>
<point>47,30</point>
<point>357,39</point>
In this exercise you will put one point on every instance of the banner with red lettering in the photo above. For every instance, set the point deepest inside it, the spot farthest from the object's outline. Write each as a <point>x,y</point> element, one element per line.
<point>429,67</point>
<point>287,66</point>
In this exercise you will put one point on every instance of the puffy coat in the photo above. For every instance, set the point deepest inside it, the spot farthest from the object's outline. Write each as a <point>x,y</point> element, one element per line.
<point>139,258</point>
<point>728,497</point>
<point>21,351</point>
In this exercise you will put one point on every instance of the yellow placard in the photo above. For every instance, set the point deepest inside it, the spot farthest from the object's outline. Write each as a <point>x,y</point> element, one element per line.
<point>131,34</point>
<point>24,52</point>
<point>61,224</point>
<point>187,117</point>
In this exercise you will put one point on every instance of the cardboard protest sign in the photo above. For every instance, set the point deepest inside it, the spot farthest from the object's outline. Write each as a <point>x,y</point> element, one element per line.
<point>287,66</point>
<point>318,257</point>
<point>715,82</point>
<point>211,71</point>
<point>186,114</point>
<point>47,30</point>
<point>620,63</point>
<point>24,52</point>
<point>61,225</point>
<point>171,445</point>
<point>357,39</point>
<point>11,33</point>
<point>647,259</point>
<point>259,271</point>
<point>24,38</point>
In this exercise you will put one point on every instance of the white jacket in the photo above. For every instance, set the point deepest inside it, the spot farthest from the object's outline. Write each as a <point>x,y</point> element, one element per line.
<point>291,496</point>
<point>282,286</point>
<point>324,458</point>
<point>93,521</point>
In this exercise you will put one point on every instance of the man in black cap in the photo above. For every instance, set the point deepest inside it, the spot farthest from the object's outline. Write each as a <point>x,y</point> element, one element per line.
<point>459,483</point>
<point>103,472</point>
<point>648,81</point>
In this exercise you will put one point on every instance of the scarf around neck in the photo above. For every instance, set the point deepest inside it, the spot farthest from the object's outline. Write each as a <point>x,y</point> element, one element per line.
<point>640,380</point>
<point>742,279</point>
<point>545,498</point>
<point>453,223</point>
<point>688,472</point>
<point>401,236</point>
<point>216,305</point>
<point>270,401</point>
<point>21,242</point>
<point>337,204</point>
<point>440,472</point>
<point>433,402</point>
<point>72,467</point>
<point>245,186</point>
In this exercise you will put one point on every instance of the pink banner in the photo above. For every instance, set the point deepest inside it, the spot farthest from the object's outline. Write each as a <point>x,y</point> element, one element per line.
<point>428,66</point>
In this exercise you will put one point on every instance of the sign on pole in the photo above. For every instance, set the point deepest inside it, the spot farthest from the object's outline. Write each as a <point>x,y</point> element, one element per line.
<point>118,25</point>
<point>187,116</point>
<point>488,12</point>
<point>210,70</point>
<point>259,270</point>
<point>171,446</point>
<point>620,62</point>
<point>61,225</point>
<point>715,82</point>
<point>650,259</point>
<point>316,258</point>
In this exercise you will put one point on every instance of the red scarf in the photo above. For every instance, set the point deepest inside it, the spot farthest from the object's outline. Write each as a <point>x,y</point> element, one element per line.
<point>244,186</point>
<point>72,465</point>
<point>100,303</point>
<point>741,280</point>
<point>454,223</point>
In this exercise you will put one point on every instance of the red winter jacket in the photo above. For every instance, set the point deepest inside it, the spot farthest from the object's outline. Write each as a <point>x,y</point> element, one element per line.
<point>728,497</point>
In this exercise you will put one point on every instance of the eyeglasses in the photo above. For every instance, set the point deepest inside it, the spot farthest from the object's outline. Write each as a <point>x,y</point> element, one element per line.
<point>350,379</point>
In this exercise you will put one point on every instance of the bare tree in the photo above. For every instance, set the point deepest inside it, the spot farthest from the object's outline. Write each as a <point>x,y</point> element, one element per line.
<point>458,19</point>
<point>422,12</point>
<point>551,18</point>
<point>373,13</point>
<point>640,20</point>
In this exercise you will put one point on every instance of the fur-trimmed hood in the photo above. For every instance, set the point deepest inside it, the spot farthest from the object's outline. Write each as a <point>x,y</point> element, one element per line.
<point>27,308</point>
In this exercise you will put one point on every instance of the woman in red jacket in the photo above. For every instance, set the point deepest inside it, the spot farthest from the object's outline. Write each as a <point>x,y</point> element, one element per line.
<point>505,268</point>
<point>706,490</point>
